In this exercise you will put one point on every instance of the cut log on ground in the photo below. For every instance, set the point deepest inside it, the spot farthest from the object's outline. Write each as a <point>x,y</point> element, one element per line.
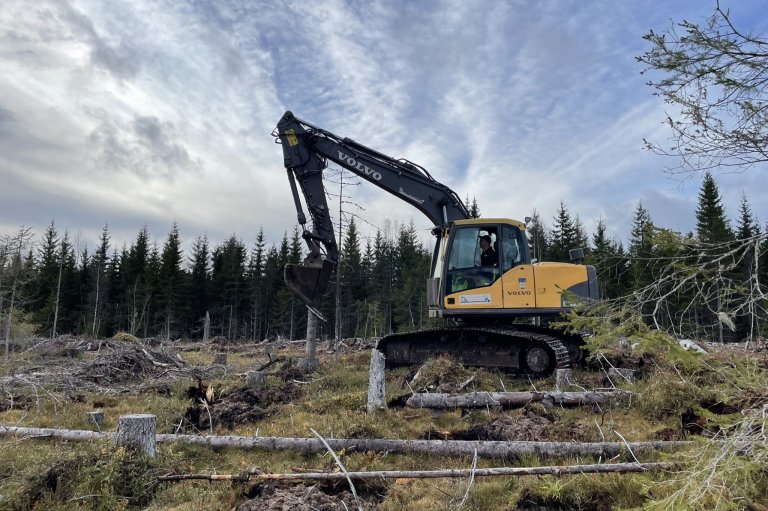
<point>485,449</point>
<point>511,399</point>
<point>256,474</point>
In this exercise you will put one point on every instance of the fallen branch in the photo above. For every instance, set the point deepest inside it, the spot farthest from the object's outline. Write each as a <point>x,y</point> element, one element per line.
<point>485,449</point>
<point>616,468</point>
<point>511,399</point>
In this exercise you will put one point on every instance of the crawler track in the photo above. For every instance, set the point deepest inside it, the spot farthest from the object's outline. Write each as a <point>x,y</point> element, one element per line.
<point>523,349</point>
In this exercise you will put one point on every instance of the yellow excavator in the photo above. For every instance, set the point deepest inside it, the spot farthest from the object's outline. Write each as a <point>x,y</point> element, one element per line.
<point>494,300</point>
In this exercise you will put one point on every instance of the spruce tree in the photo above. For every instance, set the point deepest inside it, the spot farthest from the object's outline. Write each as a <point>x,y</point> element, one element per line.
<point>100,286</point>
<point>172,282</point>
<point>46,277</point>
<point>228,286</point>
<point>198,286</point>
<point>256,285</point>
<point>711,223</point>
<point>353,284</point>
<point>641,248</point>
<point>562,237</point>
<point>747,226</point>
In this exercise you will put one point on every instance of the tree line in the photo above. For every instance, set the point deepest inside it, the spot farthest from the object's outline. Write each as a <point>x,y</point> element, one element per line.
<point>152,290</point>
<point>49,287</point>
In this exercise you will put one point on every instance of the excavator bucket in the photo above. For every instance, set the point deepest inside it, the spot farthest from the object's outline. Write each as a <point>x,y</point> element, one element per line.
<point>308,281</point>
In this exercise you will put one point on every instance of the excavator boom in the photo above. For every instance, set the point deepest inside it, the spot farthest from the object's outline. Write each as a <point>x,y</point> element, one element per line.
<point>306,151</point>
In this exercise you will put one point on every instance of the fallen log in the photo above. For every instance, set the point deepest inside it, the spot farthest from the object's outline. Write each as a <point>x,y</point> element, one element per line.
<point>511,399</point>
<point>555,470</point>
<point>485,449</point>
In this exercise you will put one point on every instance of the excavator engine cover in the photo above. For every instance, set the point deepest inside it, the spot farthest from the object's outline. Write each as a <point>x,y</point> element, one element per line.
<point>309,280</point>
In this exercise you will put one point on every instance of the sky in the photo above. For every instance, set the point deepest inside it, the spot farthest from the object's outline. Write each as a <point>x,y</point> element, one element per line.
<point>149,112</point>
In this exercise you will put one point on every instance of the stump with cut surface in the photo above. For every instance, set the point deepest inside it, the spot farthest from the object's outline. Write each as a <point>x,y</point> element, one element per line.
<point>137,431</point>
<point>96,418</point>
<point>255,379</point>
<point>220,359</point>
<point>563,378</point>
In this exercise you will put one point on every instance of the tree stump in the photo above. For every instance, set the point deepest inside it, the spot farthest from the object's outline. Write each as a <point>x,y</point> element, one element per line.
<point>96,418</point>
<point>255,379</point>
<point>220,359</point>
<point>563,378</point>
<point>618,374</point>
<point>377,395</point>
<point>137,431</point>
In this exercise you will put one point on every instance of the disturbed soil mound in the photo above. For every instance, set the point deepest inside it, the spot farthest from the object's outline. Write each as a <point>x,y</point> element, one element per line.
<point>530,423</point>
<point>238,406</point>
<point>298,497</point>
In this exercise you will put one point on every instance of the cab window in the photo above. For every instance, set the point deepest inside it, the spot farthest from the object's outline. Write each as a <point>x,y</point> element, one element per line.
<point>467,267</point>
<point>512,252</point>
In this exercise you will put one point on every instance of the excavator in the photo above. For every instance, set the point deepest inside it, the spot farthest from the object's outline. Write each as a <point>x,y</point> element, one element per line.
<point>495,309</point>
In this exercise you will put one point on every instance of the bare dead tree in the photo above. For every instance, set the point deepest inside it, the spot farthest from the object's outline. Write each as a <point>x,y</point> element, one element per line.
<point>19,245</point>
<point>716,75</point>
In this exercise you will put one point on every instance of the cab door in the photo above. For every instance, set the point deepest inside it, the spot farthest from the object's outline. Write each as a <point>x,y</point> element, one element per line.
<point>518,278</point>
<point>468,284</point>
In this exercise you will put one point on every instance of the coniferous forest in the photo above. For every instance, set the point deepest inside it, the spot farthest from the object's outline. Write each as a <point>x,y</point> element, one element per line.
<point>152,288</point>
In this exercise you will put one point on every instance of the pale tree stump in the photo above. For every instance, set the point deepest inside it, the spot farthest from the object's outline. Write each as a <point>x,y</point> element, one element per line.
<point>377,395</point>
<point>220,359</point>
<point>137,431</point>
<point>255,379</point>
<point>96,418</point>
<point>563,378</point>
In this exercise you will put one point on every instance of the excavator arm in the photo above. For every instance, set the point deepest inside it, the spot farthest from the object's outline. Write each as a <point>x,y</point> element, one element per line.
<point>307,150</point>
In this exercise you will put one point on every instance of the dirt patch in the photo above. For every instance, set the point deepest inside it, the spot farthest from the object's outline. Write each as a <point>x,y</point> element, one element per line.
<point>530,423</point>
<point>238,406</point>
<point>10,401</point>
<point>298,497</point>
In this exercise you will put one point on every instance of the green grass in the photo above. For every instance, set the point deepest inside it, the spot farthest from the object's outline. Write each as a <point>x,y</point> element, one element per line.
<point>332,401</point>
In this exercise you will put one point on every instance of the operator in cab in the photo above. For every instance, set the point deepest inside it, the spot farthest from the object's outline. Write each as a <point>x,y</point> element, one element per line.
<point>488,257</point>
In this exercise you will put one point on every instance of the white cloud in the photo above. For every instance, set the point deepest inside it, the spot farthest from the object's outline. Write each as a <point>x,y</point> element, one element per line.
<point>153,111</point>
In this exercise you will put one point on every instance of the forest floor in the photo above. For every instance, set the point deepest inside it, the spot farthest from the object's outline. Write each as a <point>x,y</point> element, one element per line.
<point>54,383</point>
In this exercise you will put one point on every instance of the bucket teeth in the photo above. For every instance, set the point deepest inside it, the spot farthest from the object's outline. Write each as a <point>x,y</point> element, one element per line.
<point>308,282</point>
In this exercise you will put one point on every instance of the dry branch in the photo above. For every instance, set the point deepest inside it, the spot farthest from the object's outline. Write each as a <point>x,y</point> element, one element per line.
<point>620,468</point>
<point>485,449</point>
<point>511,399</point>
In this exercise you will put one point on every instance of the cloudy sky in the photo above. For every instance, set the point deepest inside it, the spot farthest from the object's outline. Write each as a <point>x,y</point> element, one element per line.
<point>148,112</point>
